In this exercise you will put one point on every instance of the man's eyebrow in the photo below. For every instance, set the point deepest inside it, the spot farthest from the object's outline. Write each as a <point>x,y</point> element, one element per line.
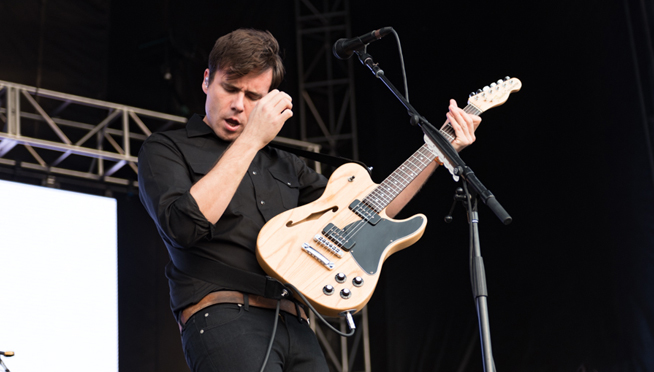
<point>227,85</point>
<point>254,95</point>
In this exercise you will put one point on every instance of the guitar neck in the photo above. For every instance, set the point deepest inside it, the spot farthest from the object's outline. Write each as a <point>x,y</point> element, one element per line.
<point>397,181</point>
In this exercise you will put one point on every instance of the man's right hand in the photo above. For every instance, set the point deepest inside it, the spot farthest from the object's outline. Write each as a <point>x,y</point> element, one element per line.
<point>267,118</point>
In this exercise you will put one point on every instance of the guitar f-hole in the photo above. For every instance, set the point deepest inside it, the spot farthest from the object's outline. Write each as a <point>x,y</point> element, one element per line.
<point>312,217</point>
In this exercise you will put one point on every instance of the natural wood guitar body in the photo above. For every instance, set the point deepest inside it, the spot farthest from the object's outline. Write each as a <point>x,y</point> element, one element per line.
<point>280,244</point>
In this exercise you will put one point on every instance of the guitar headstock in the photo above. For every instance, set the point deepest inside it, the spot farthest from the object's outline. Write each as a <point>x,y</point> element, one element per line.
<point>495,94</point>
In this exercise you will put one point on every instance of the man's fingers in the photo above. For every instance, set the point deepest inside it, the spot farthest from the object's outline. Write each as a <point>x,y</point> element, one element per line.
<point>287,114</point>
<point>278,100</point>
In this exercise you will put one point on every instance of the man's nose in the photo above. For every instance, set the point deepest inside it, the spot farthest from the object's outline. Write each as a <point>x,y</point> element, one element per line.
<point>238,102</point>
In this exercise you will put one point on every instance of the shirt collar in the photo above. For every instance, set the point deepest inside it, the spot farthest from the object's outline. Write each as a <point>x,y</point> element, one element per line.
<point>196,127</point>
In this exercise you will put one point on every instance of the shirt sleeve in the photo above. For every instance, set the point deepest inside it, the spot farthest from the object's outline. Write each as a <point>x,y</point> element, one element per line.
<point>164,188</point>
<point>312,183</point>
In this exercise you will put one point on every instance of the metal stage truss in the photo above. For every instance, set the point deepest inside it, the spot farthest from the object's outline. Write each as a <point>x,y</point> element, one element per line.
<point>62,134</point>
<point>326,102</point>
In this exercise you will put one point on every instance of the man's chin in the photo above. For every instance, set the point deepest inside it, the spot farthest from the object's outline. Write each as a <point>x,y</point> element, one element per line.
<point>229,135</point>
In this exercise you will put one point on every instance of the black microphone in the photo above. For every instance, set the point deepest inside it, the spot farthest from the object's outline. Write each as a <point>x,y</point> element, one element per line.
<point>7,353</point>
<point>343,48</point>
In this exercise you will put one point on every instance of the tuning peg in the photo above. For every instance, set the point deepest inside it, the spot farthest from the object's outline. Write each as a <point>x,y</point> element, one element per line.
<point>471,94</point>
<point>479,91</point>
<point>507,78</point>
<point>493,85</point>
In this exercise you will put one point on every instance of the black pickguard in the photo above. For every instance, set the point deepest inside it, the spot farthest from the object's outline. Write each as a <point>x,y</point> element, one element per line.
<point>371,240</point>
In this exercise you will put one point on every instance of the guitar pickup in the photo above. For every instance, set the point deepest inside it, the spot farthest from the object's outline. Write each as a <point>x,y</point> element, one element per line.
<point>337,236</point>
<point>328,245</point>
<point>365,212</point>
<point>318,256</point>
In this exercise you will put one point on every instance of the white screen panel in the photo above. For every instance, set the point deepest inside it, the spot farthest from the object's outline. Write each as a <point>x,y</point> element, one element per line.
<point>58,280</point>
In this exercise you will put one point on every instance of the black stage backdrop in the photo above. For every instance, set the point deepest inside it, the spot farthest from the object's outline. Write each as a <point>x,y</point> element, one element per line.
<point>569,157</point>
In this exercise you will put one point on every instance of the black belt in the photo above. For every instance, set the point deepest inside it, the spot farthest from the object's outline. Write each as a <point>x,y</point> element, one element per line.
<point>234,297</point>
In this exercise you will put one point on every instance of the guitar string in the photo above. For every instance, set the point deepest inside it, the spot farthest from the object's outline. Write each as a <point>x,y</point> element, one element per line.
<point>448,131</point>
<point>405,173</point>
<point>359,223</point>
<point>379,194</point>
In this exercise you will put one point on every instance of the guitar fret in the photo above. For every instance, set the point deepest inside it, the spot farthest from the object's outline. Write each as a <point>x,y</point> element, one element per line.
<point>448,132</point>
<point>391,187</point>
<point>470,109</point>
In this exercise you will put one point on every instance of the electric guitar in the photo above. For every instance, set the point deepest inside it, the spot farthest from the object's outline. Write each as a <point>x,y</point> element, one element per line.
<point>332,249</point>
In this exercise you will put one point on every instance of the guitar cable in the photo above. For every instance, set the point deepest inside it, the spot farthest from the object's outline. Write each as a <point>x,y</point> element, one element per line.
<point>272,337</point>
<point>402,68</point>
<point>274,331</point>
<point>304,299</point>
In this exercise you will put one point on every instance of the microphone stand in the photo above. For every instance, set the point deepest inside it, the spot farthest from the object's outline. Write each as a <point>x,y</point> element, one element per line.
<point>477,272</point>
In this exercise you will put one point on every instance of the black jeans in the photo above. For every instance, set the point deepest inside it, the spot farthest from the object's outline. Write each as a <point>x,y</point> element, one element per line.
<point>234,338</point>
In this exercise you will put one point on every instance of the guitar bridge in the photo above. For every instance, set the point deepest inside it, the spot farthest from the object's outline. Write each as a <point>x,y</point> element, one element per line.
<point>318,256</point>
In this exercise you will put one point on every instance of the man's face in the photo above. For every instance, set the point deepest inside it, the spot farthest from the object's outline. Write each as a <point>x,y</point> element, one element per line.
<point>230,101</point>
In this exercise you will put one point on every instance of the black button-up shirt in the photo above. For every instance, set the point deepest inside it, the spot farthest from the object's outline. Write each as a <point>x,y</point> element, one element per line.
<point>171,162</point>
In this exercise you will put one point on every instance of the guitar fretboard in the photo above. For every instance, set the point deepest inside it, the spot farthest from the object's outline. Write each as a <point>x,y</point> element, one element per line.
<point>397,181</point>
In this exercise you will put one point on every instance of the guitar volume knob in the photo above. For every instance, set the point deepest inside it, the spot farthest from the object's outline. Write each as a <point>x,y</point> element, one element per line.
<point>346,293</point>
<point>328,290</point>
<point>358,281</point>
<point>340,277</point>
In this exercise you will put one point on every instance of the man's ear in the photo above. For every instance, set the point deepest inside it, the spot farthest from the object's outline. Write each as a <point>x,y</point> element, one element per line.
<point>205,86</point>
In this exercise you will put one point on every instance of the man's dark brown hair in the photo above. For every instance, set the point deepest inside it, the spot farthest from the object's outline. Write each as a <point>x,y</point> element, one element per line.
<point>246,50</point>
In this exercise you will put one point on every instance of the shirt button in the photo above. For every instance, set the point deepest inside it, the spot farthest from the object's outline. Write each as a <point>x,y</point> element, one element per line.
<point>254,173</point>
<point>288,183</point>
<point>263,202</point>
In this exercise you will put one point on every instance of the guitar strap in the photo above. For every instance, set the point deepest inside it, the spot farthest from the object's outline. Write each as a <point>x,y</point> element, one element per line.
<point>231,277</point>
<point>335,161</point>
